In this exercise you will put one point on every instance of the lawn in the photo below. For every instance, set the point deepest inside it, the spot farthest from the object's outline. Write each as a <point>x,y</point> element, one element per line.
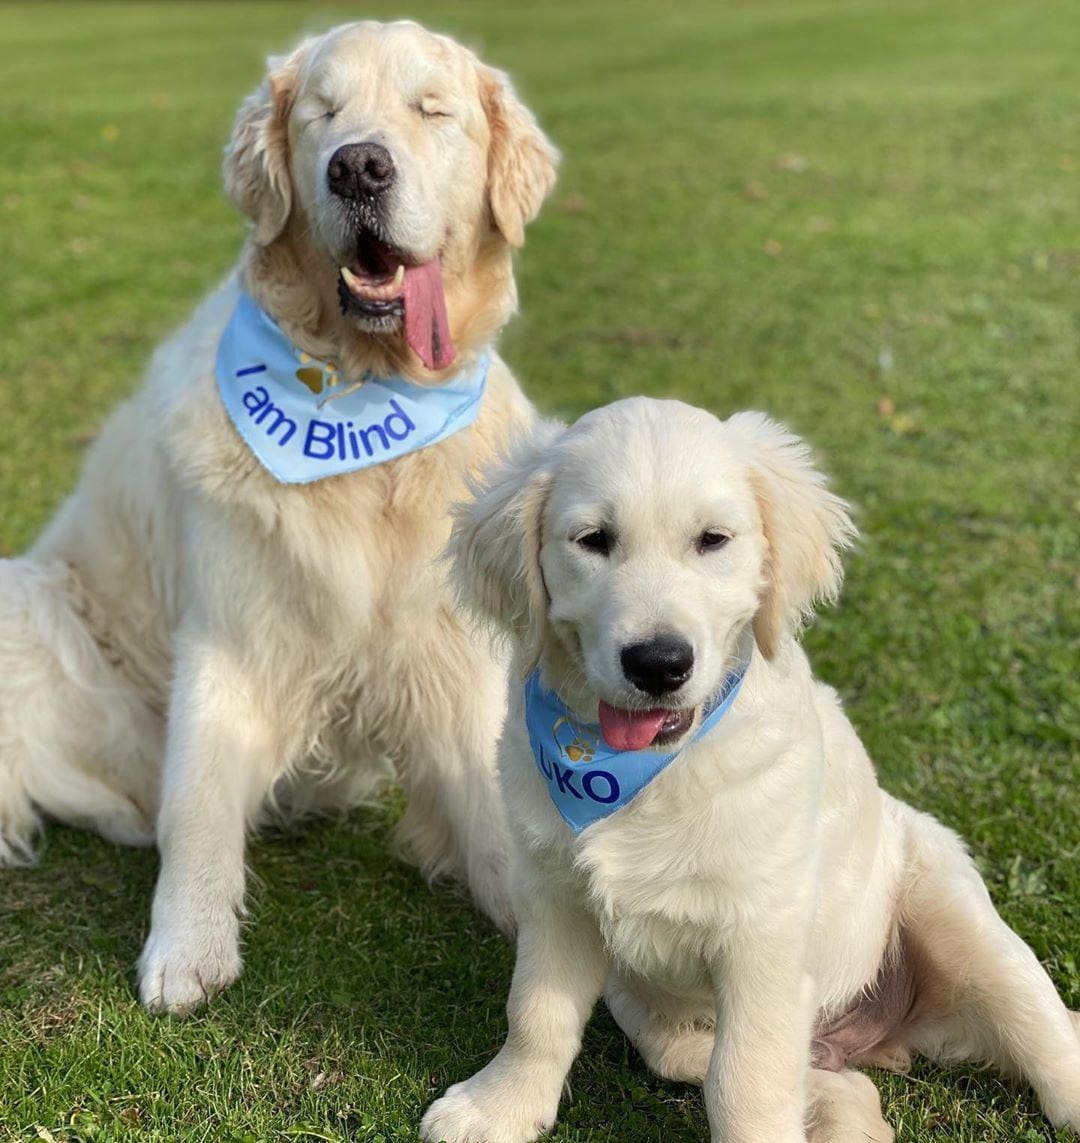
<point>860,217</point>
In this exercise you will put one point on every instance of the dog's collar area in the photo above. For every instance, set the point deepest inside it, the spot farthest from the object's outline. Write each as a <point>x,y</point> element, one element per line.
<point>304,421</point>
<point>587,779</point>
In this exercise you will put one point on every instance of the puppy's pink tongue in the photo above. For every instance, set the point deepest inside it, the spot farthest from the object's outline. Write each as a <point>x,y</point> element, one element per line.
<point>630,729</point>
<point>427,328</point>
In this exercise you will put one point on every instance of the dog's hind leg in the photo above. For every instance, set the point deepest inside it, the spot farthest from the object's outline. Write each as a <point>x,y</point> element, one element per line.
<point>70,730</point>
<point>446,714</point>
<point>981,993</point>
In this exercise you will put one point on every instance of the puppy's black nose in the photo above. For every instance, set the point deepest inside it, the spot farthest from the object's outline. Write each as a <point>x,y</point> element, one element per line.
<point>360,169</point>
<point>658,666</point>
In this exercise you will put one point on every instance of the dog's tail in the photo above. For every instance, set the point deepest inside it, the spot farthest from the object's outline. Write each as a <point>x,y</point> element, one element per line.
<point>21,597</point>
<point>63,712</point>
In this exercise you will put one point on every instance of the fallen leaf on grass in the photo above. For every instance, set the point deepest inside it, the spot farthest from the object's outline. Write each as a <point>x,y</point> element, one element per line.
<point>797,164</point>
<point>903,424</point>
<point>573,203</point>
<point>82,244</point>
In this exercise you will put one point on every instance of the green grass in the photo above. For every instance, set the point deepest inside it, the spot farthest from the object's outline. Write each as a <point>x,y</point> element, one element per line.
<point>859,217</point>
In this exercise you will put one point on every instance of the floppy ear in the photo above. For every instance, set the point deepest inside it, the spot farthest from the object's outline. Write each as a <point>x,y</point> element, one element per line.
<point>521,159</point>
<point>806,528</point>
<point>256,166</point>
<point>496,538</point>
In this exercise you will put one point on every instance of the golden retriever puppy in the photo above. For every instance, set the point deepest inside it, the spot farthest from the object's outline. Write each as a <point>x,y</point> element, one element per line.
<point>694,819</point>
<point>240,606</point>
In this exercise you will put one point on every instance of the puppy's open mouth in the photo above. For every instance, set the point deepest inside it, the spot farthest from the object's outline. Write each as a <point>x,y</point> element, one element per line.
<point>641,729</point>
<point>380,286</point>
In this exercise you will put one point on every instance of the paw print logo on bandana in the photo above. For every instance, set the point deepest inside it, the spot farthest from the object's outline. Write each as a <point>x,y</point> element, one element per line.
<point>581,750</point>
<point>316,375</point>
<point>576,744</point>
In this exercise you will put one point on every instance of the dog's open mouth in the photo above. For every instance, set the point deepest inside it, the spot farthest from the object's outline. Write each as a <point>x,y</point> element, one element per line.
<point>381,286</point>
<point>640,729</point>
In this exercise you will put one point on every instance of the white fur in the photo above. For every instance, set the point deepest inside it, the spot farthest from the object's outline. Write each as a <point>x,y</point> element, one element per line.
<point>762,878</point>
<point>191,645</point>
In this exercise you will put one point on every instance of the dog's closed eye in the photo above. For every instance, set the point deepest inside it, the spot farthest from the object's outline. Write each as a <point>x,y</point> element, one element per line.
<point>432,107</point>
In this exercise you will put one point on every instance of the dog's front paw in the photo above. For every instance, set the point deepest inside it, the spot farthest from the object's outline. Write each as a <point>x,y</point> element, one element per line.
<point>176,975</point>
<point>468,1114</point>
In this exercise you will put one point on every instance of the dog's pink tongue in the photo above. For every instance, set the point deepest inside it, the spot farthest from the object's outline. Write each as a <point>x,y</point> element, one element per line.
<point>630,729</point>
<point>427,329</point>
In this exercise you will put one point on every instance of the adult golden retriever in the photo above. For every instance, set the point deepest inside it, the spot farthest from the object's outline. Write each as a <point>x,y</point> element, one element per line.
<point>192,642</point>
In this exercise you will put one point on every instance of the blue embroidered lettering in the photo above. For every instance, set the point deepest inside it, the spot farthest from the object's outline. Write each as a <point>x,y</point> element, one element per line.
<point>354,445</point>
<point>323,435</point>
<point>398,414</point>
<point>279,420</point>
<point>592,776</point>
<point>254,399</point>
<point>363,434</point>
<point>564,777</point>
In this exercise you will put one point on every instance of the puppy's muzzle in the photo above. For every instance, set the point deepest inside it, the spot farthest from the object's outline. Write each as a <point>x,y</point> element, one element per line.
<point>658,666</point>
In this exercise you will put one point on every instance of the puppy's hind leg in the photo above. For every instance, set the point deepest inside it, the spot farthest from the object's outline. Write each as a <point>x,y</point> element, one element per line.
<point>981,992</point>
<point>63,711</point>
<point>675,1051</point>
<point>845,1108</point>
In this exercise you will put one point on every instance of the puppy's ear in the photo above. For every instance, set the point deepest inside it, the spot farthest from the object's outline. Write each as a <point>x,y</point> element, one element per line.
<point>256,166</point>
<point>496,539</point>
<point>806,528</point>
<point>521,159</point>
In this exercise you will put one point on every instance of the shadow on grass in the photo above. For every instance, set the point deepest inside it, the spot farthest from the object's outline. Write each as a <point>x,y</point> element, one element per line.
<point>364,994</point>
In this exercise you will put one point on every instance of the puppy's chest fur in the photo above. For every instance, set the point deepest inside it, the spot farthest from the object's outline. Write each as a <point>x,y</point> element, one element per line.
<point>658,921</point>
<point>720,839</point>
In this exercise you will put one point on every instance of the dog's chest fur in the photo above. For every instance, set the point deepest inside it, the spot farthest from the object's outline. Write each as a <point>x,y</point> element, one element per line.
<point>330,595</point>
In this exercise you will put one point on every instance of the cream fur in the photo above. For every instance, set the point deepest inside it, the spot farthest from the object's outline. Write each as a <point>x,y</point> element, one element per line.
<point>191,645</point>
<point>763,878</point>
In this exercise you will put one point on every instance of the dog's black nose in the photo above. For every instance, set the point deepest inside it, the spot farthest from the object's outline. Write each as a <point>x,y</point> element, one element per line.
<point>658,666</point>
<point>360,169</point>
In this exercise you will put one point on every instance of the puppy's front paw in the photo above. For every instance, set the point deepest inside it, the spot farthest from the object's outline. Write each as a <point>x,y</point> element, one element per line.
<point>176,975</point>
<point>468,1114</point>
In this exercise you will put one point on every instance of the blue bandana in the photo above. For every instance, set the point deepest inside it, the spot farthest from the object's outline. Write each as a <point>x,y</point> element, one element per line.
<point>304,422</point>
<point>586,779</point>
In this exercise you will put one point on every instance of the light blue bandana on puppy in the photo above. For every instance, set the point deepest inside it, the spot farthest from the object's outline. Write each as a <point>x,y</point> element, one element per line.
<point>586,778</point>
<point>305,423</point>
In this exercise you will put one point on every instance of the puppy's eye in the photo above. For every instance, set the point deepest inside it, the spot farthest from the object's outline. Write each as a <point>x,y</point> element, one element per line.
<point>329,113</point>
<point>595,540</point>
<point>711,540</point>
